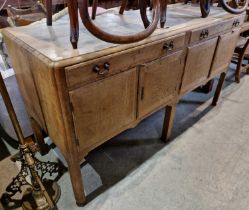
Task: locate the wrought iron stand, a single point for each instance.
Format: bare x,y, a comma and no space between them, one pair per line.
41,193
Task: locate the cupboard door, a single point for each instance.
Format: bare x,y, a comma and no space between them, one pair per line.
198,64
101,109
224,52
159,82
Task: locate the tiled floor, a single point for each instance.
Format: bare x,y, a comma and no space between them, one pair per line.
122,160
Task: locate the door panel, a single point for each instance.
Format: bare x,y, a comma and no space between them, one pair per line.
104,107
224,52
198,64
159,82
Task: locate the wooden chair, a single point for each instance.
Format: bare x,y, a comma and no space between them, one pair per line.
241,55
21,17
159,12
142,5
135,5
82,6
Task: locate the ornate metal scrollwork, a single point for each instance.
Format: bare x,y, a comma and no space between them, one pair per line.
46,167
16,185
20,180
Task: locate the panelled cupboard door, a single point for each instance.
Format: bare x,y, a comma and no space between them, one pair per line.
224,52
198,64
159,82
102,108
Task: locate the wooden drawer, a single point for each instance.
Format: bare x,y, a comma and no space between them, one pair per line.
224,52
83,73
213,30
198,64
101,109
159,82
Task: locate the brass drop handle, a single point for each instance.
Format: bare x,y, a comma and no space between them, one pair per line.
204,34
96,69
106,67
102,71
168,46
236,23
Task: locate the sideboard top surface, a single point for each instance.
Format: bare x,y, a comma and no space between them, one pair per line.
52,42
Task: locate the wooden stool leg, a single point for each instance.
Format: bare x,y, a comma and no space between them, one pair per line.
94,9
143,9
123,6
218,88
74,22
238,69
39,137
49,12
163,10
168,122
77,182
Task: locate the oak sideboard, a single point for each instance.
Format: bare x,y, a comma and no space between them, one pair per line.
82,98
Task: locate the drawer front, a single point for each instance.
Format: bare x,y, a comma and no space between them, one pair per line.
224,52
212,30
109,65
159,82
198,64
104,107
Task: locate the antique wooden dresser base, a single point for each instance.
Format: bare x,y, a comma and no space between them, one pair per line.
81,98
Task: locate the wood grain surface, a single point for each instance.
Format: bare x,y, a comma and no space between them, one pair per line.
82,98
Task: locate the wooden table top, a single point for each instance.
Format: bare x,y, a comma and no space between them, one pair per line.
53,42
